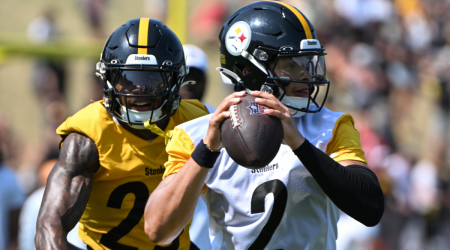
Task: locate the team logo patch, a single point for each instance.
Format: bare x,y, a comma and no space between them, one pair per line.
256,109
238,38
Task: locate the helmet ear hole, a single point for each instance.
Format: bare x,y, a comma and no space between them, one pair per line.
242,69
239,67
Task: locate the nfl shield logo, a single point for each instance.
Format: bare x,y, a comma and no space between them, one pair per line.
256,109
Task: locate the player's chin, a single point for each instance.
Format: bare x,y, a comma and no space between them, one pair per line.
301,93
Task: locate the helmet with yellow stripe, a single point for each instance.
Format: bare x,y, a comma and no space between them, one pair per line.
142,66
269,45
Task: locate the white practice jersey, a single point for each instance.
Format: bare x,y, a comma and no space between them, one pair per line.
279,206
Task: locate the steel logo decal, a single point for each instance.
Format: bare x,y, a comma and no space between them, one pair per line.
238,38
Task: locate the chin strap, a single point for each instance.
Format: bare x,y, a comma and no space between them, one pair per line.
156,130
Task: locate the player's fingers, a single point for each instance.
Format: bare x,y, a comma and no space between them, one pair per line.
269,103
264,97
222,116
235,95
257,93
222,111
276,113
224,106
230,100
216,120
275,104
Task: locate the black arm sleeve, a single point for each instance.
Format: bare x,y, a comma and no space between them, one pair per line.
354,189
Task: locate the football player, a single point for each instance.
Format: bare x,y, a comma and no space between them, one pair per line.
113,151
293,203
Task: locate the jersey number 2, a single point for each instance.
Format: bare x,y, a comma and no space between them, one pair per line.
115,200
279,191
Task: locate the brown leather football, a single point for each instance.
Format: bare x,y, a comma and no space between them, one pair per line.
252,139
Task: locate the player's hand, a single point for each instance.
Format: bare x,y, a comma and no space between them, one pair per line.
291,135
212,138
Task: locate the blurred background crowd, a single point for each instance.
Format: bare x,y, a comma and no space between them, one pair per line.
388,62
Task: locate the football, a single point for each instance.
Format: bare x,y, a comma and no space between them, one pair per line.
251,138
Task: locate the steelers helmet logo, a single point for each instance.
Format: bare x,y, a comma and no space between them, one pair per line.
238,38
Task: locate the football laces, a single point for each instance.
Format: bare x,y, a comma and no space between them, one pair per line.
234,116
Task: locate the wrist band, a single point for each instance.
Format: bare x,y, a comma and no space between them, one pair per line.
204,156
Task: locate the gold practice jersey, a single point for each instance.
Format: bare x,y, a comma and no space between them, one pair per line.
130,169
279,206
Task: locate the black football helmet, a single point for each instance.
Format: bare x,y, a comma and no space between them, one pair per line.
142,66
268,45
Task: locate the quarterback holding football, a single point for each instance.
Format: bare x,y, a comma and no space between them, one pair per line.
269,50
113,151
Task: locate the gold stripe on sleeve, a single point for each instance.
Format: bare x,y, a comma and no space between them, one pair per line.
345,144
143,34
